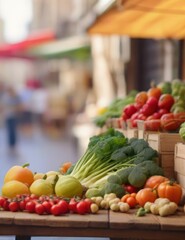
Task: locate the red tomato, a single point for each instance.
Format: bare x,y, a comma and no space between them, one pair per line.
82,207
2,200
64,206
129,188
22,205
162,111
47,205
166,101
6,205
30,206
129,110
39,209
169,123
56,210
124,116
141,116
138,106
72,205
131,201
88,203
14,206
150,107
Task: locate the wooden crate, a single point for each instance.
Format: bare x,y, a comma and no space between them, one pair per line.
166,161
179,167
179,161
163,142
132,133
141,129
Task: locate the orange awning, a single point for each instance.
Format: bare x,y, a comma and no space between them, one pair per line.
143,19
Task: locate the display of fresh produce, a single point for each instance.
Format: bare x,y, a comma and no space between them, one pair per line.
114,110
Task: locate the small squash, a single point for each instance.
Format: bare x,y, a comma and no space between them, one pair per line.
171,190
154,181
146,195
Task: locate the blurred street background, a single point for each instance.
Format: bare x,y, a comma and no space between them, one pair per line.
62,62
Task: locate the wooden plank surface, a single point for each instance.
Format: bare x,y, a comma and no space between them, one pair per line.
103,224
173,223
99,220
131,221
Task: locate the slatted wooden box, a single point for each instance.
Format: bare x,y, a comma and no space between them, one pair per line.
179,163
164,143
131,132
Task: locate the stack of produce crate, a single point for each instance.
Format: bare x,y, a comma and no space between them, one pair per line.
179,164
164,143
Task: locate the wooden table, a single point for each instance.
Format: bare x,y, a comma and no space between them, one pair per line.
104,224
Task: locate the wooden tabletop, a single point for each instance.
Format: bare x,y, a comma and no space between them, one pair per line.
103,224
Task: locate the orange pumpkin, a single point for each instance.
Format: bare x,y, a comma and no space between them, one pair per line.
146,195
154,181
154,92
170,190
21,174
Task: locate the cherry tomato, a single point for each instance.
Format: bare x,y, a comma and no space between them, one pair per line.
82,207
14,206
30,206
129,188
47,205
56,210
88,203
72,205
22,205
2,200
39,209
124,198
131,201
6,205
63,206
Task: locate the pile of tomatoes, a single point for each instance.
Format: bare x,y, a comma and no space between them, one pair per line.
153,107
46,205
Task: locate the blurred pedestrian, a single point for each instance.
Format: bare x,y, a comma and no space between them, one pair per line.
26,118
11,108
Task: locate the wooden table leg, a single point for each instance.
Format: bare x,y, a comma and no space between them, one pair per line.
23,238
